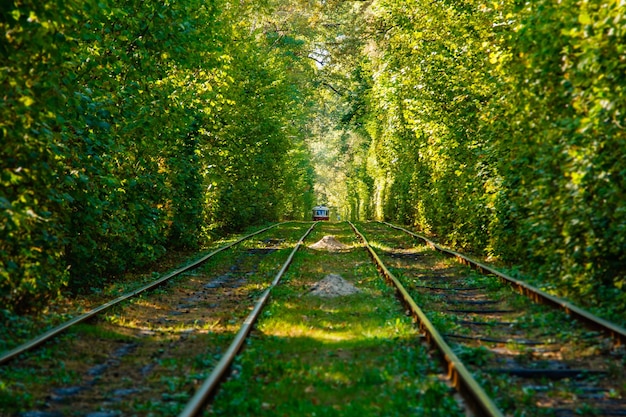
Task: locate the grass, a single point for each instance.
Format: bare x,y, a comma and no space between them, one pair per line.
180,351
535,322
356,355
18,383
16,329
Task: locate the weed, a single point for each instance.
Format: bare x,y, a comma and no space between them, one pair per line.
351,355
479,356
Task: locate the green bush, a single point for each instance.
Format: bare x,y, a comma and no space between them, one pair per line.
127,125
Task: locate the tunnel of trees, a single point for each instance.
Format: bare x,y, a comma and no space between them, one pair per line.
130,128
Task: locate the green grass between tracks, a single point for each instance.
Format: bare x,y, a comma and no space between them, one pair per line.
355,355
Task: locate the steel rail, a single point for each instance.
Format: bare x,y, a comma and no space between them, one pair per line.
460,376
618,333
11,354
195,405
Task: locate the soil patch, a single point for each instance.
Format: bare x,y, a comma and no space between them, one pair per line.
329,243
333,285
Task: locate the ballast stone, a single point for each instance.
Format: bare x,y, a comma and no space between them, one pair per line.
333,285
329,243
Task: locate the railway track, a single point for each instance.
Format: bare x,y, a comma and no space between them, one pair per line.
531,358
345,349
57,330
311,352
142,350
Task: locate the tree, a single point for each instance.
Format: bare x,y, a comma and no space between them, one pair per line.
127,125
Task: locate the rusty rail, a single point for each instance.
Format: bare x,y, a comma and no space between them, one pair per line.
11,354
459,375
618,333
195,405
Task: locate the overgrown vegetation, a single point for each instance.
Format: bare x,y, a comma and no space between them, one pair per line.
148,354
346,356
496,126
491,326
128,127
131,127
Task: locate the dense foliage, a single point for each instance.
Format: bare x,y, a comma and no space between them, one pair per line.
499,127
135,126
129,126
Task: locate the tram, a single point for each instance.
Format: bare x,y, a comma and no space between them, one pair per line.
321,213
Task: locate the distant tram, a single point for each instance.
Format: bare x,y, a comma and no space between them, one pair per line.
321,213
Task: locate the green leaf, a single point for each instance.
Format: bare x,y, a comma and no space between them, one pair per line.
584,18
